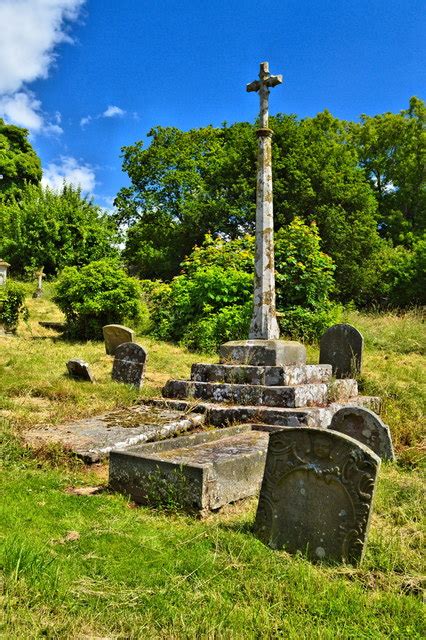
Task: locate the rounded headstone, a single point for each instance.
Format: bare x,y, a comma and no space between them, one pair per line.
366,427
129,364
116,334
342,347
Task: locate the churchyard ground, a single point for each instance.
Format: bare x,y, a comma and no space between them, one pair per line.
95,566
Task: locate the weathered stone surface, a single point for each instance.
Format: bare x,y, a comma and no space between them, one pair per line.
202,471
93,438
269,376
366,427
271,353
343,389
317,494
56,326
116,334
80,370
302,395
342,347
129,364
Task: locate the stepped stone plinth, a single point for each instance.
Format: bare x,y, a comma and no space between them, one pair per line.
274,353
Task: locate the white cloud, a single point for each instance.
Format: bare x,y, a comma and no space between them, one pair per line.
112,111
70,171
30,31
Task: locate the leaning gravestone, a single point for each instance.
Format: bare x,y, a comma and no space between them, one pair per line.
114,335
317,494
342,346
129,364
80,370
366,427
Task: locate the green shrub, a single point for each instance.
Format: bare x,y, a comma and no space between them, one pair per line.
12,305
97,294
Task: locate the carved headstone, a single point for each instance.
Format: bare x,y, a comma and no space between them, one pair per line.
80,370
129,364
317,494
366,427
342,346
116,334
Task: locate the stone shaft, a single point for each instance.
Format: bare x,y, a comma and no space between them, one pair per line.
264,325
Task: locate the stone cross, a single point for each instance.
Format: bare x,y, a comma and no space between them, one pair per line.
40,275
264,325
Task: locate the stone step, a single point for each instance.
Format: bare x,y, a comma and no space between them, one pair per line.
267,376
243,394
220,415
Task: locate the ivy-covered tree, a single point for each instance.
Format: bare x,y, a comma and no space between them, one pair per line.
19,163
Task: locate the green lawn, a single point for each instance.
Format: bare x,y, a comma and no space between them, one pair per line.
93,566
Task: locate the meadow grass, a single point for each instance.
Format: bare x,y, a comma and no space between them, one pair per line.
94,566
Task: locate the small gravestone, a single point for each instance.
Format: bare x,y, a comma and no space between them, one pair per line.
342,346
129,364
116,334
317,494
80,370
366,427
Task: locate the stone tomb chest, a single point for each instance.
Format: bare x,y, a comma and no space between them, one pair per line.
201,472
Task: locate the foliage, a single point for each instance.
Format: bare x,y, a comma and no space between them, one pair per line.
392,152
99,293
54,230
12,304
19,163
211,301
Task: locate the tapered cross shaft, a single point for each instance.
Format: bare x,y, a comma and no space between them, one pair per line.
264,323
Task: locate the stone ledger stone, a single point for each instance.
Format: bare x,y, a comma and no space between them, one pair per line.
342,347
80,370
366,427
116,334
317,494
273,353
129,364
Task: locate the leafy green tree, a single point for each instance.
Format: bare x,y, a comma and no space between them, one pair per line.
50,229
99,293
392,152
19,163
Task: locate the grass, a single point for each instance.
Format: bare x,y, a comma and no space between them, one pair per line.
93,566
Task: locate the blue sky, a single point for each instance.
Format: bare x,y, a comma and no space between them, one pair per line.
89,76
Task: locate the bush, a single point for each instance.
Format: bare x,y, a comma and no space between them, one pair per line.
99,293
12,305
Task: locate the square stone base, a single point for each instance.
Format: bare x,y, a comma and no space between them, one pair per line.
273,353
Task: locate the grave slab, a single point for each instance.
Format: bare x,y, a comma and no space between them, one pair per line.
201,472
317,494
116,334
366,427
93,438
80,370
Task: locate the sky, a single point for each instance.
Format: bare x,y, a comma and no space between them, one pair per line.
87,77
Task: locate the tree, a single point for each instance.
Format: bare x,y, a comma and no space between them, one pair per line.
392,152
50,229
19,163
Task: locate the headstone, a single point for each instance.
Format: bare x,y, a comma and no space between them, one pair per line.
116,334
3,271
80,370
317,494
39,291
366,427
129,364
342,346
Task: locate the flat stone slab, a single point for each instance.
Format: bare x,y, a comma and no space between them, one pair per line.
317,494
262,352
366,427
93,438
269,376
56,326
201,472
244,394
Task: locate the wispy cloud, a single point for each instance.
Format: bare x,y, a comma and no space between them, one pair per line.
30,31
70,171
112,111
